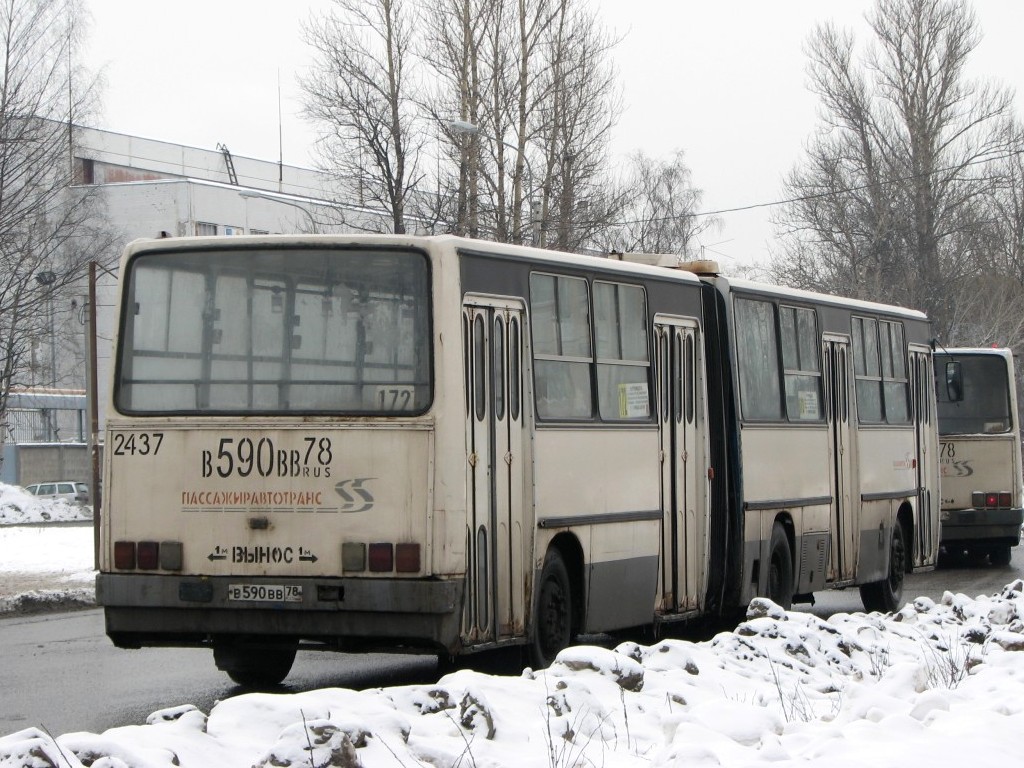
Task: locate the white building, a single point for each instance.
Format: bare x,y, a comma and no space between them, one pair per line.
153,189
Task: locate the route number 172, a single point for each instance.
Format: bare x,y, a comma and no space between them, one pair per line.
395,398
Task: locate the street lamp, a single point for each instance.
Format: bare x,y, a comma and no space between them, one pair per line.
251,194
462,126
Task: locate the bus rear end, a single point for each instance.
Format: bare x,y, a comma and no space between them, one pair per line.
980,454
269,450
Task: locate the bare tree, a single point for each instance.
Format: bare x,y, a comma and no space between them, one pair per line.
579,107
49,231
360,94
888,203
660,213
534,80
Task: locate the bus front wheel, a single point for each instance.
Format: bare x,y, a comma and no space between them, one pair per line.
552,613
886,596
255,665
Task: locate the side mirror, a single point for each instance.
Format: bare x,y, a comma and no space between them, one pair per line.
954,381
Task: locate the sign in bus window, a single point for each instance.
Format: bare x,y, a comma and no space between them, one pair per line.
799,334
623,367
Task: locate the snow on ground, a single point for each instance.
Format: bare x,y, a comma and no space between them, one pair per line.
43,568
934,684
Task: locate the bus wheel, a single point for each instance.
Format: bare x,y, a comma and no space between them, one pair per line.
552,613
1000,555
886,596
255,665
780,569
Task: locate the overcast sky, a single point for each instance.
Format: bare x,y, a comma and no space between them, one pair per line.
724,81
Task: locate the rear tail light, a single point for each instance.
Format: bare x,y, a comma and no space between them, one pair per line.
991,499
353,556
170,555
407,558
124,555
148,555
382,558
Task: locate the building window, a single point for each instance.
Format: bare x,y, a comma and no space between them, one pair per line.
86,171
205,228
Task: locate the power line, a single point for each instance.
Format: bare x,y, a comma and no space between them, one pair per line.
818,195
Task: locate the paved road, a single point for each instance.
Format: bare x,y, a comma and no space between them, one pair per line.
971,580
59,671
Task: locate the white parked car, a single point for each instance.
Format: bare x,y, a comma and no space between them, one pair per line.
73,492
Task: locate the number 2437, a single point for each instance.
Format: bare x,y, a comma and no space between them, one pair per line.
137,443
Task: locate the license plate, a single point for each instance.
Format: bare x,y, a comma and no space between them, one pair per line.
265,593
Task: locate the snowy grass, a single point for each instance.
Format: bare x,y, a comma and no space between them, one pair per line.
937,683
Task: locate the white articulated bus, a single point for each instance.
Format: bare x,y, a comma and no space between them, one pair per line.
447,445
980,453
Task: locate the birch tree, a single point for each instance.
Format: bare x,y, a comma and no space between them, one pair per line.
49,231
660,209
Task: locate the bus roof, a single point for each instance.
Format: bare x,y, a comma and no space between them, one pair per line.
426,242
783,291
993,351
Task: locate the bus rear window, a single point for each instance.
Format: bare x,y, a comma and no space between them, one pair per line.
276,330
983,404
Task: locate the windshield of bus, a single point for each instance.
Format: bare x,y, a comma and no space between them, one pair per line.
984,403
275,330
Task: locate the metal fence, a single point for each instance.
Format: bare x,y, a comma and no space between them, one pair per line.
45,416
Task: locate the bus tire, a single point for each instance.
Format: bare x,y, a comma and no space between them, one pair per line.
886,596
780,568
552,613
1000,555
255,665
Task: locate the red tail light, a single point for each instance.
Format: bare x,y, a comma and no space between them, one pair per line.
991,499
124,555
407,558
382,558
149,555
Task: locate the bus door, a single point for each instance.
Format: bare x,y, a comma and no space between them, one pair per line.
838,415
680,410
496,461
922,388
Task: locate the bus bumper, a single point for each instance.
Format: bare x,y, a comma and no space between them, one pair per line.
975,526
181,611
